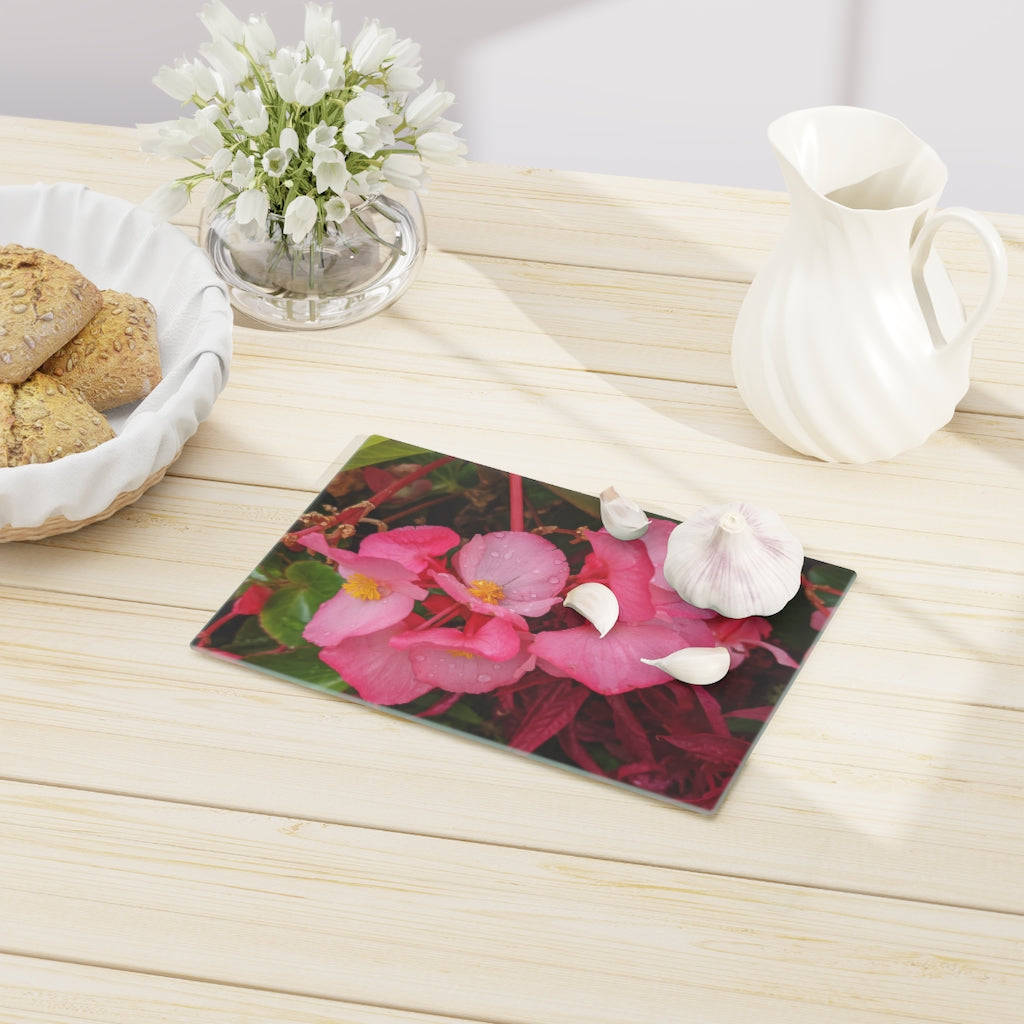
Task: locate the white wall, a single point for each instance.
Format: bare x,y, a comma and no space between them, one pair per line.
679,89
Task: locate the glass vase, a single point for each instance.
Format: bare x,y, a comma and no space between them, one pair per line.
352,271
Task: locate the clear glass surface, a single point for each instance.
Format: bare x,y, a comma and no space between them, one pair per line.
359,268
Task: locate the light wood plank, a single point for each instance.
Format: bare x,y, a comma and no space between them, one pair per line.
867,866
467,310
869,797
489,932
641,420
568,217
36,991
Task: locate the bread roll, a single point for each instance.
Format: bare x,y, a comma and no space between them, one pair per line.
115,358
42,420
44,302
6,422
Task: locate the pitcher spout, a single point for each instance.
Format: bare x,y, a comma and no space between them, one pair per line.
857,159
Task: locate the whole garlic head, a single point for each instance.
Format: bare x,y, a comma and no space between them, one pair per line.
736,559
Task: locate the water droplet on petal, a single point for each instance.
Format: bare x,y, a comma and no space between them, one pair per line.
483,678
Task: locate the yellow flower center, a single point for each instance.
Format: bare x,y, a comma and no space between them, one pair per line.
362,588
459,654
487,591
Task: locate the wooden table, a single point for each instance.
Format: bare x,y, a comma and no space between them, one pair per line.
184,840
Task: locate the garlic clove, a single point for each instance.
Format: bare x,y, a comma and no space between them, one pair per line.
596,603
736,559
622,517
698,666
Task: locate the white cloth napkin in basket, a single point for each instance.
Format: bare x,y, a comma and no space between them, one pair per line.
117,245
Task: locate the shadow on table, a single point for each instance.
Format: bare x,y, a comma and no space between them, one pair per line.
999,434
659,334
893,806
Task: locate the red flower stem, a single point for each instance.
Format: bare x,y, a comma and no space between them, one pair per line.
415,510
811,591
441,617
204,637
351,515
517,522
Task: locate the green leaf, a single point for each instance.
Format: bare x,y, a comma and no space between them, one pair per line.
320,578
584,502
375,450
304,665
287,613
744,728
454,478
249,638
824,574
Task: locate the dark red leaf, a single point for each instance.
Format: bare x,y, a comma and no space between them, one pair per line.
647,775
713,711
628,729
570,742
548,715
758,714
711,747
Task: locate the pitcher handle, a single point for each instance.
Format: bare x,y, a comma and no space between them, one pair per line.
995,250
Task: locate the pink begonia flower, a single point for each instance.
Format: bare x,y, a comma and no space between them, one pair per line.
497,654
508,575
820,617
414,547
377,593
377,671
626,569
655,541
667,601
611,664
493,638
633,571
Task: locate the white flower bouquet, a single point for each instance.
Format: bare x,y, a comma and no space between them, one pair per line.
305,132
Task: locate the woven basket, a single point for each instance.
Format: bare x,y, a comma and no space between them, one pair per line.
59,524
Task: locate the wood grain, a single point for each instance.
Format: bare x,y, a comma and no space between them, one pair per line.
508,934
165,720
56,992
185,839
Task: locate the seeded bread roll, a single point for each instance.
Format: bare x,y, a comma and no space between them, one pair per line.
115,358
42,420
44,302
6,422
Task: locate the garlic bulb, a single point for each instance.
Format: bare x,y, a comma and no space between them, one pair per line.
736,559
698,666
622,517
596,603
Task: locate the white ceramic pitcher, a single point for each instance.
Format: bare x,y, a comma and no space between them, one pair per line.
851,344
